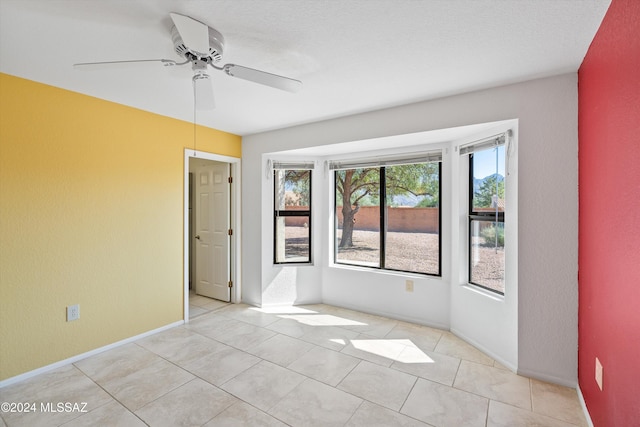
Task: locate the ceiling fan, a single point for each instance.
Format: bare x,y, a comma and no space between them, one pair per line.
203,46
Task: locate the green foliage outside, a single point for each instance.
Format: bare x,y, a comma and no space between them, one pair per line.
298,182
489,235
362,186
428,202
490,186
418,180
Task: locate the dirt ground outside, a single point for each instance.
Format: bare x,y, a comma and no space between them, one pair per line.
414,252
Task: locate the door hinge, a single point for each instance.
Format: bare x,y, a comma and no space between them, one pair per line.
230,232
230,284
230,180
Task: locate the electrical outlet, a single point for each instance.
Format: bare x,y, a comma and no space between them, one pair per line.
73,312
599,372
409,285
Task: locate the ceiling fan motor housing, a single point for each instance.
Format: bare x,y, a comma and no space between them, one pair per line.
216,47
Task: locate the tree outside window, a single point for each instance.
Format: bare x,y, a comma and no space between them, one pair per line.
388,217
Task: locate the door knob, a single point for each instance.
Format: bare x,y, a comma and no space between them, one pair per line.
198,236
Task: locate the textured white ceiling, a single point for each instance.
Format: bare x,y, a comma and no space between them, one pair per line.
352,55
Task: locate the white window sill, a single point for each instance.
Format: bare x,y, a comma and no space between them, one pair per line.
394,273
483,292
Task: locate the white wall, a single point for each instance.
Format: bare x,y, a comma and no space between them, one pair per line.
488,321
284,284
544,341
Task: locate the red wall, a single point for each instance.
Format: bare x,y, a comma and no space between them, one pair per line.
609,223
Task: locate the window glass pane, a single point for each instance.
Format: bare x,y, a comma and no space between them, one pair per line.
292,239
488,180
293,189
358,216
292,200
487,254
412,218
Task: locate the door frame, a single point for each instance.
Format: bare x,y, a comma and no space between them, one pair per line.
235,220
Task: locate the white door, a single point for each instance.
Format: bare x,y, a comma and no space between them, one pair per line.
212,230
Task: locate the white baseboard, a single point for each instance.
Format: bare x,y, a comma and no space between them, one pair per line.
383,313
73,359
548,378
486,351
584,406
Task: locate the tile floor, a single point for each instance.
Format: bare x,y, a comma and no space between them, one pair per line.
316,365
199,305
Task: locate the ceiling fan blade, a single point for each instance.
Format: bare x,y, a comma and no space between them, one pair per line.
195,34
203,92
262,77
92,65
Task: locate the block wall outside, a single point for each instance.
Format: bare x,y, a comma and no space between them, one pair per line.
407,220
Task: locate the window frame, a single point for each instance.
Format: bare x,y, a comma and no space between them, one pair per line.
383,221
473,215
283,213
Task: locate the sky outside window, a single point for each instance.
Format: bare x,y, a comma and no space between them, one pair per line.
484,162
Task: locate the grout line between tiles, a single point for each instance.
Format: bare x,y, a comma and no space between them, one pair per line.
456,375
110,395
486,415
349,373
531,395
408,394
354,412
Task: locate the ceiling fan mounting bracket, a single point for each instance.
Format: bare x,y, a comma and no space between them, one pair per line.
199,66
214,54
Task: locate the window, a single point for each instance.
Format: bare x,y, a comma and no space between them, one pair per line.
356,190
486,215
292,215
388,214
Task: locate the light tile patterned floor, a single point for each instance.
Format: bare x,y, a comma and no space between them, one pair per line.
316,365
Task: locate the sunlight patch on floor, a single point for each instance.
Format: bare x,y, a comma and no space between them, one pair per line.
399,350
322,320
283,310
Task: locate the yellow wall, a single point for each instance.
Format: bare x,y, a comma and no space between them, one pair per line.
91,213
